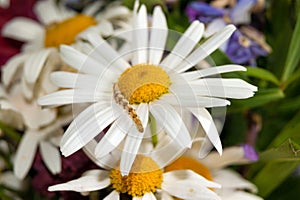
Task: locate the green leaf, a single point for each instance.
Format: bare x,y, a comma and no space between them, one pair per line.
219,58
10,132
290,104
262,97
272,175
291,130
285,191
293,53
262,74
288,151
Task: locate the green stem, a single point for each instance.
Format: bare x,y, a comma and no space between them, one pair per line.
153,130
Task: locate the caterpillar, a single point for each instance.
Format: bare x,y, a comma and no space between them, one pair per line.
121,100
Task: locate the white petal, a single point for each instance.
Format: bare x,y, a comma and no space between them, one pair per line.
231,156
186,184
86,126
206,48
209,127
214,26
49,12
114,136
92,8
29,29
172,123
104,50
133,141
70,96
4,3
34,65
73,80
146,196
221,87
25,153
115,11
188,100
166,196
158,36
114,195
105,28
51,157
184,46
238,195
230,179
80,61
87,183
190,175
166,151
9,180
140,37
10,69
189,76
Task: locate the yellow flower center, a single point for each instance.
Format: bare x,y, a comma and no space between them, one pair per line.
66,31
145,176
192,164
143,83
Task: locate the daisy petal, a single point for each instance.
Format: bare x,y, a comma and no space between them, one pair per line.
70,96
146,196
206,48
10,69
189,76
166,151
158,36
237,195
29,28
230,179
186,100
114,12
133,141
51,157
114,136
172,123
187,184
73,80
140,36
80,61
184,46
86,126
114,195
221,87
113,60
25,153
87,183
105,28
35,63
209,127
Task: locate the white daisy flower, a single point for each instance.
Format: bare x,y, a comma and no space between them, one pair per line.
147,86
145,180
42,128
58,26
213,168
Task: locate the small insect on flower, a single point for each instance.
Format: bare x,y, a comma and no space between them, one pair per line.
121,100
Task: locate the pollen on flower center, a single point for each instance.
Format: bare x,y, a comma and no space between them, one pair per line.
66,31
189,163
145,176
143,83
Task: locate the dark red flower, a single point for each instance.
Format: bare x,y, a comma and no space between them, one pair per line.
23,8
